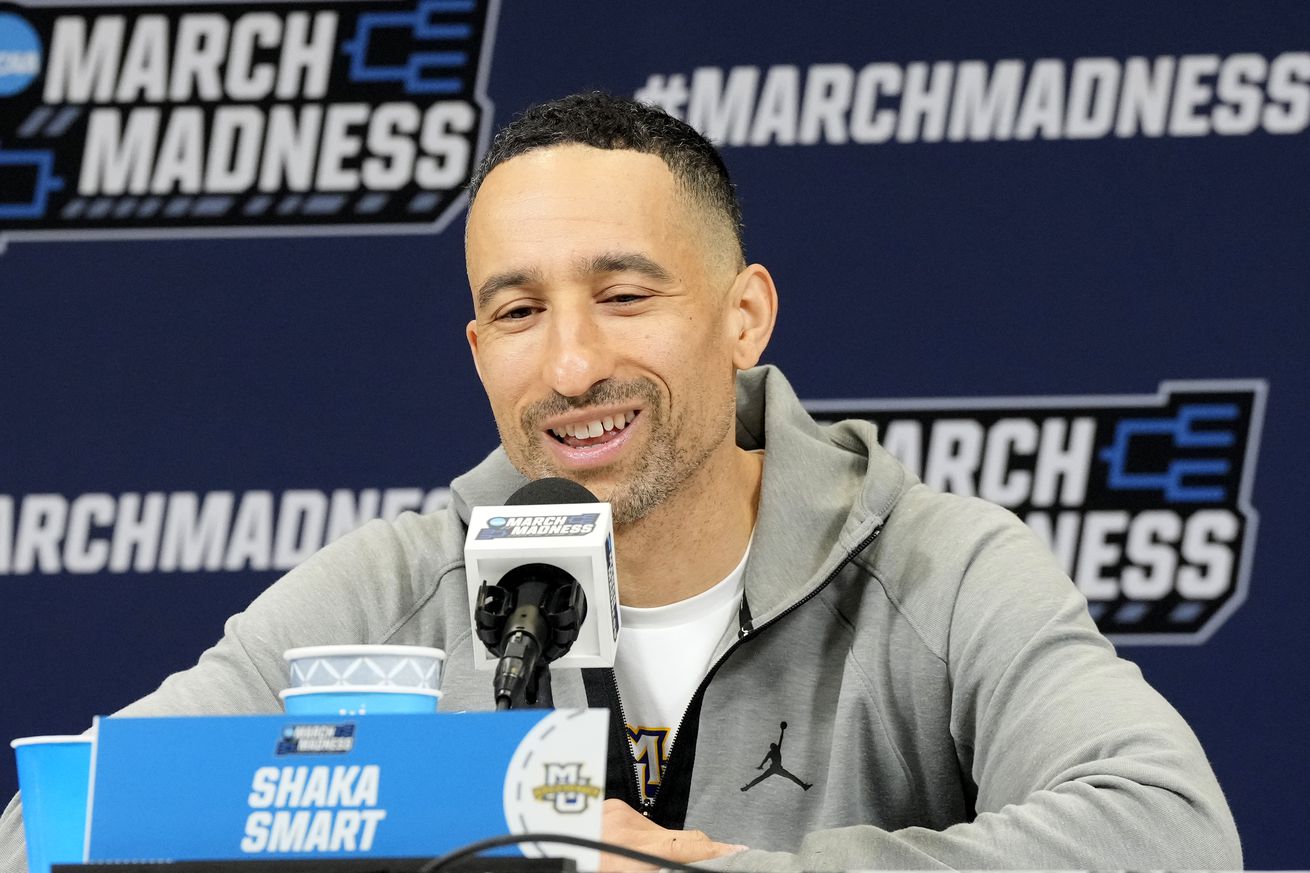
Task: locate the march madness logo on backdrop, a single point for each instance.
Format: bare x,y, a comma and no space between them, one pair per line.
1145,500
234,118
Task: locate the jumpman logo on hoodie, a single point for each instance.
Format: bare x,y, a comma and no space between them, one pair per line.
774,759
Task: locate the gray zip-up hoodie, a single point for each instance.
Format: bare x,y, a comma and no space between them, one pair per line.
946,695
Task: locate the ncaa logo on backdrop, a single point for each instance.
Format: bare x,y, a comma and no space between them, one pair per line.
1144,499
20,54
218,119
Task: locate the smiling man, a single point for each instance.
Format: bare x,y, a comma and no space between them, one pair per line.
949,699
824,664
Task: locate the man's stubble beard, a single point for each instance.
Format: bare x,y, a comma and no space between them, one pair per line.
668,460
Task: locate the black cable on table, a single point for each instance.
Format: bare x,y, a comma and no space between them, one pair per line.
514,839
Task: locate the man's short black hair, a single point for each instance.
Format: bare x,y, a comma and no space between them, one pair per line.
604,121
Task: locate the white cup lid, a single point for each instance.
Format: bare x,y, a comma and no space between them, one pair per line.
361,651
356,689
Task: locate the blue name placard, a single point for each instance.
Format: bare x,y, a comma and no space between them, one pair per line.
206,788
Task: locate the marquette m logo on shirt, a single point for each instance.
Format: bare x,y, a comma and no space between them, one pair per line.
221,118
511,526
1145,500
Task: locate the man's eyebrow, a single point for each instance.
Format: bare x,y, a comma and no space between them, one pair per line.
499,282
623,262
591,265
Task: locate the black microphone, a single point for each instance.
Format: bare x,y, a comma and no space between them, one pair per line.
534,613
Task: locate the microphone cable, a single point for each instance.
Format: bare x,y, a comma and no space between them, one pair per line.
481,846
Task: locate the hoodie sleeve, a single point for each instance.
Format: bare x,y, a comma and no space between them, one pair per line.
1077,761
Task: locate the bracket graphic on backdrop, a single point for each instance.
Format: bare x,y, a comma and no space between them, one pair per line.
1145,499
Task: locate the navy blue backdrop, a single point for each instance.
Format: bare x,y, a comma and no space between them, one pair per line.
1022,254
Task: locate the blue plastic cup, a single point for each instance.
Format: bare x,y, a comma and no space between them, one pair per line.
54,776
358,700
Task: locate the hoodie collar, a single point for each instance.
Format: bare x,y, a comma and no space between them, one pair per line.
826,488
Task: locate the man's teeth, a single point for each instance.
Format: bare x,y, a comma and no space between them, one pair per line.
590,429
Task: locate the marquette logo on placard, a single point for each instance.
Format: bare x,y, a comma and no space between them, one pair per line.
316,739
510,526
220,118
1145,500
566,788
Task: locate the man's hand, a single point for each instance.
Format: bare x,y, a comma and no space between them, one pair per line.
624,826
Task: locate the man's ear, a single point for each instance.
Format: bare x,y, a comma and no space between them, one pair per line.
471,334
754,302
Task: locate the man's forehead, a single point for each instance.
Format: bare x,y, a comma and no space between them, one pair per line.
550,206
576,167
573,199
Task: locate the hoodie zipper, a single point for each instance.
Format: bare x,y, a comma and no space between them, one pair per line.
635,799
746,633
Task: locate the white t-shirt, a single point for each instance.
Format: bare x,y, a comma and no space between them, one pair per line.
664,652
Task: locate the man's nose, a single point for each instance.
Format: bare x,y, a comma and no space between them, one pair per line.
577,356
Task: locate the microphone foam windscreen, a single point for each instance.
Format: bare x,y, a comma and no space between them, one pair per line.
551,490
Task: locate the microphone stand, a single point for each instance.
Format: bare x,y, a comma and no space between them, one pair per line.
522,679
529,619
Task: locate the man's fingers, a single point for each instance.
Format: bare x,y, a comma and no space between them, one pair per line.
686,847
625,826
682,845
730,849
